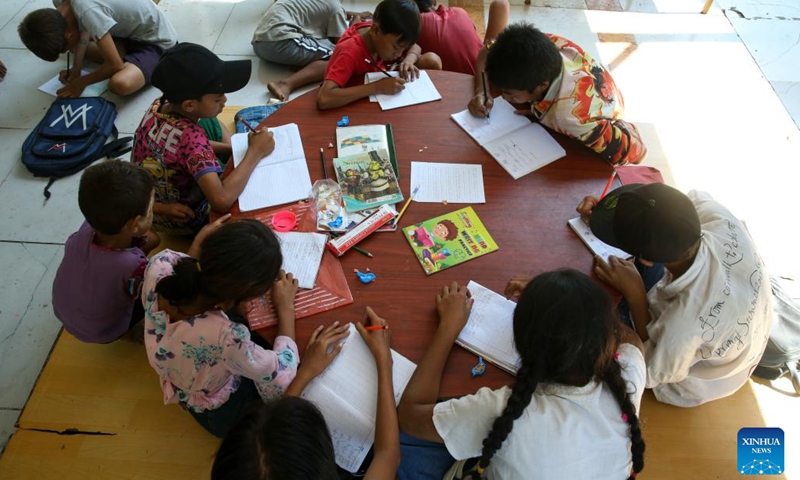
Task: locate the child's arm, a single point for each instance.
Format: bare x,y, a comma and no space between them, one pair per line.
74,72
622,275
323,346
283,293
415,411
331,95
197,243
387,433
174,211
112,63
408,67
222,193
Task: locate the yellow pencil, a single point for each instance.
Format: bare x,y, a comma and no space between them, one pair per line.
408,202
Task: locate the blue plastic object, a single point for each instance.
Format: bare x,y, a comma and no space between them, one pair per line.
368,277
479,369
343,122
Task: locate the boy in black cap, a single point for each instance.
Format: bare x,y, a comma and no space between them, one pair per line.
706,322
176,150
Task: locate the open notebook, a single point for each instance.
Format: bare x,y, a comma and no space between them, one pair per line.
597,246
347,395
518,145
421,90
489,331
280,177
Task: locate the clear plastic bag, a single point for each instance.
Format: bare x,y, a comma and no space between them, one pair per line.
327,197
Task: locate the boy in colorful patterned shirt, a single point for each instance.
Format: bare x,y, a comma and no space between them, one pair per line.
568,90
176,150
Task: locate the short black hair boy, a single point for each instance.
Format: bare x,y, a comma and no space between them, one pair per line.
114,192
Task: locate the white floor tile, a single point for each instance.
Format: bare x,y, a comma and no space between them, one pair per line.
197,21
28,327
11,140
21,104
27,218
8,421
774,44
9,38
8,9
238,32
778,9
569,23
789,93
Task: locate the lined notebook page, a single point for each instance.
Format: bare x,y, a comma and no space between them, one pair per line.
302,254
489,329
421,90
597,246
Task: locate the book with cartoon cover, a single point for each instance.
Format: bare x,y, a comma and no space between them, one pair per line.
449,239
367,180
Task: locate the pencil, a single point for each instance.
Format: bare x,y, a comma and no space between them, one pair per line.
357,249
485,94
608,184
67,63
376,327
408,202
322,159
252,130
377,66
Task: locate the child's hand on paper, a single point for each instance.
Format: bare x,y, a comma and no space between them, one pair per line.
514,287
283,291
390,86
408,70
478,108
377,340
263,141
73,89
323,346
620,274
453,304
586,206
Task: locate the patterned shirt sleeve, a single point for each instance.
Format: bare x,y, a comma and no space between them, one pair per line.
271,370
200,158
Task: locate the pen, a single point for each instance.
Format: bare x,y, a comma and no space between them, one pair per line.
376,327
485,94
377,66
357,249
67,63
252,130
408,202
322,159
608,184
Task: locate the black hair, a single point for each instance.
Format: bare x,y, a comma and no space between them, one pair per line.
42,32
522,58
398,17
424,5
286,439
112,193
238,261
564,332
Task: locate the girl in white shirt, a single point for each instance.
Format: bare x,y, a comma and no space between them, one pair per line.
572,412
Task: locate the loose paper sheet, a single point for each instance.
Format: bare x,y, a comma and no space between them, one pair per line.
451,182
302,254
94,90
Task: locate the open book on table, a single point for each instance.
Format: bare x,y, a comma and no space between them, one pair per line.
519,145
489,331
280,177
347,395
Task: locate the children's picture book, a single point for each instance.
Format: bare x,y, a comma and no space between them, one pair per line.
489,331
421,90
356,139
597,246
368,180
449,239
347,395
519,145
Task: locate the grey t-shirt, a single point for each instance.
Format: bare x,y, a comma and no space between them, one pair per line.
138,20
286,19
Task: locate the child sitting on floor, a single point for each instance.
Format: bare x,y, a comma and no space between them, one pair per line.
450,33
205,361
126,37
571,413
177,151
369,47
288,439
97,286
567,89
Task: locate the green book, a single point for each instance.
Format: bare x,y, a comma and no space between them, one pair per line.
367,180
449,239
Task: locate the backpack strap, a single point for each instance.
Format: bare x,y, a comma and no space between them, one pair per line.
116,147
47,188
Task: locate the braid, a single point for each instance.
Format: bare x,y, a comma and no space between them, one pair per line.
520,398
613,378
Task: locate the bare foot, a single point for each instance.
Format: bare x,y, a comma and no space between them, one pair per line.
279,90
2,71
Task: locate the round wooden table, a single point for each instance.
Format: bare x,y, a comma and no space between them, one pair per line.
526,217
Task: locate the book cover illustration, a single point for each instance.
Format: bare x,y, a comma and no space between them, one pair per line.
449,239
367,180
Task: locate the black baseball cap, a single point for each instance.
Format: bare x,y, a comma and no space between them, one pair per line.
650,221
189,71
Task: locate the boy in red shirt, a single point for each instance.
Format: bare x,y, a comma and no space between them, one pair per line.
366,47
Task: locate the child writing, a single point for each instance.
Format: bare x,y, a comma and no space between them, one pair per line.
126,37
97,286
450,33
204,361
571,413
288,439
176,150
567,89
369,47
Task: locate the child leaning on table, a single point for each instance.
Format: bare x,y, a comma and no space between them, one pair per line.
391,34
176,150
571,412
126,37
289,439
97,286
206,362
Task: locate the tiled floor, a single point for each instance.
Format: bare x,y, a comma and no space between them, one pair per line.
704,98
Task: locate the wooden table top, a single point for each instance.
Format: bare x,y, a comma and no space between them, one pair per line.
526,217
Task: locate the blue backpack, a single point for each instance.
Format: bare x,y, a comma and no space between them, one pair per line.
72,135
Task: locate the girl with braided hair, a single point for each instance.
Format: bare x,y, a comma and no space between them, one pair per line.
572,412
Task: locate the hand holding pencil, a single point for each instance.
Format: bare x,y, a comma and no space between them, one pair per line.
376,335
